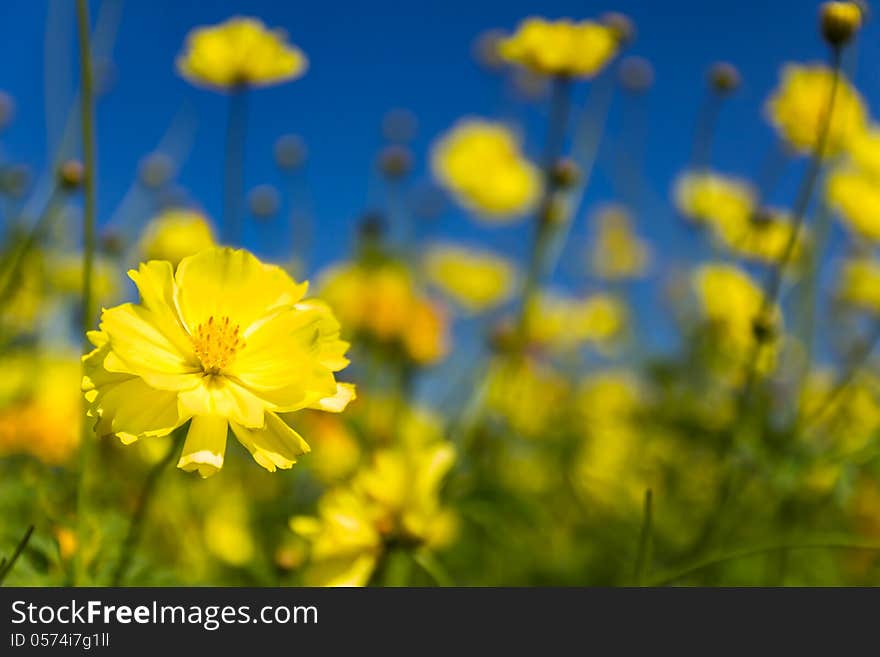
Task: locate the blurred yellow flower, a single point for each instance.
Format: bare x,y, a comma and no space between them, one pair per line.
714,199
382,301
854,195
617,252
40,407
764,237
477,280
859,284
226,342
864,150
799,105
849,421
175,234
64,276
396,498
731,304
335,450
561,322
481,164
240,52
227,532
562,47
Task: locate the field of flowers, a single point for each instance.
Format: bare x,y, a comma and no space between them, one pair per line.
176,410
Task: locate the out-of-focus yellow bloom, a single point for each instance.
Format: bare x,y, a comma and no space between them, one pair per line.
175,234
396,498
617,251
335,450
560,322
799,106
855,195
226,342
240,52
227,532
714,199
64,276
859,284
562,47
476,280
481,164
382,420
850,420
763,237
40,407
383,302
528,395
864,150
731,304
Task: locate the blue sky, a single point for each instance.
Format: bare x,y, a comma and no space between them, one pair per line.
367,58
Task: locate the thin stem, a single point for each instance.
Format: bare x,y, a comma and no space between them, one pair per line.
643,557
135,529
87,108
831,543
6,566
704,133
233,175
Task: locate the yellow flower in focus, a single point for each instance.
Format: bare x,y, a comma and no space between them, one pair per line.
562,323
476,280
855,195
763,237
40,407
617,251
175,234
731,304
798,108
225,342
240,52
396,498
859,284
563,47
482,165
714,199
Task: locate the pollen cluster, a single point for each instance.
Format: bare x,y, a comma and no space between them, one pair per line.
216,342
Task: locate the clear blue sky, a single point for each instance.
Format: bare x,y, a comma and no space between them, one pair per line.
369,57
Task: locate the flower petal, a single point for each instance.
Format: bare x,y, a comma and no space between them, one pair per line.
274,446
345,394
205,445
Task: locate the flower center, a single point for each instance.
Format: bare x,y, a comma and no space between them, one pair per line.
216,342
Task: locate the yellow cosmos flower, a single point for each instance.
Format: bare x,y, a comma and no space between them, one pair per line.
175,234
396,498
731,302
854,195
225,342
476,280
562,47
798,107
40,407
560,322
617,252
240,52
859,284
714,199
763,237
482,165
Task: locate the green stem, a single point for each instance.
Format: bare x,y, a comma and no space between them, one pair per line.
233,175
135,529
6,566
701,155
643,557
432,568
87,107
831,543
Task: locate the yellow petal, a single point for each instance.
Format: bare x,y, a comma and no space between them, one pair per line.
132,410
274,446
345,394
155,282
219,395
205,445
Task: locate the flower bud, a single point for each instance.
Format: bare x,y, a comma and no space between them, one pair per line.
839,21
70,175
621,25
263,201
636,74
724,78
290,152
565,173
395,162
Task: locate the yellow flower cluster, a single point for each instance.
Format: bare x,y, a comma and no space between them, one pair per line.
394,500
476,280
722,202
226,342
175,234
617,252
481,164
562,323
240,52
799,107
560,48
383,302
